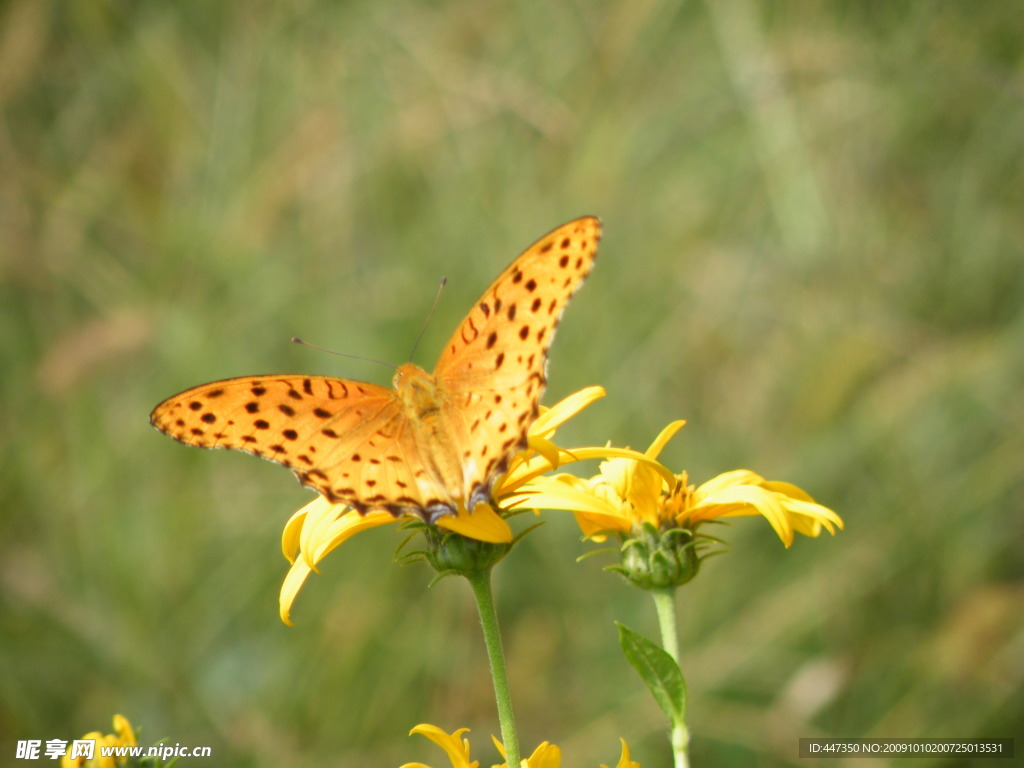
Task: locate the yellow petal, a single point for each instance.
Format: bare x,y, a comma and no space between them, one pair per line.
553,417
521,472
787,489
663,437
637,484
624,761
555,493
726,480
293,531
483,524
335,532
808,518
546,448
525,471
324,527
293,582
787,507
124,730
456,747
546,755
595,527
743,501
537,466
319,517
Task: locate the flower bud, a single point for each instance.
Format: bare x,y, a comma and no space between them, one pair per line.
654,559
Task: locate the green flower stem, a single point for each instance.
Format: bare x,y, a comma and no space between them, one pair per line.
665,605
480,581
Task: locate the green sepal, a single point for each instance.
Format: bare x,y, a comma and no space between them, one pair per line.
659,671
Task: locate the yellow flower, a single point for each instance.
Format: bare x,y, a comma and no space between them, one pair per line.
319,527
123,736
640,498
546,755
628,492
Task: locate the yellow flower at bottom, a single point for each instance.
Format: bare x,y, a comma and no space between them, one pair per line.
123,736
546,755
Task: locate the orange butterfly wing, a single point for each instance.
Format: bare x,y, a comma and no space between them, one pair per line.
494,368
376,448
322,428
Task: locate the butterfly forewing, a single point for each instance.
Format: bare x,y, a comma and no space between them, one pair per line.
494,368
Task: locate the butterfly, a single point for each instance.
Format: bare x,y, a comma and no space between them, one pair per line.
435,443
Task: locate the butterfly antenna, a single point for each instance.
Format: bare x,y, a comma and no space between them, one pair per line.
444,281
297,340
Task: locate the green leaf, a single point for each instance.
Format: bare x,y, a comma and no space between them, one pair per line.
659,671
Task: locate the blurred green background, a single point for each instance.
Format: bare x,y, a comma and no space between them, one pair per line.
813,251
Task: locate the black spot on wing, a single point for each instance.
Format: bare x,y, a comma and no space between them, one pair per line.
469,330
336,390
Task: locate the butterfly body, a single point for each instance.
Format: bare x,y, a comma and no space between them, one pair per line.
436,442
424,405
